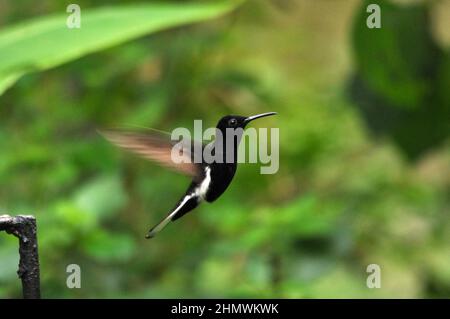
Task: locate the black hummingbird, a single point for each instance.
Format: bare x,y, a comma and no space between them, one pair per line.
209,180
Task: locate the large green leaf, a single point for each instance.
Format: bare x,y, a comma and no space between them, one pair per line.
46,42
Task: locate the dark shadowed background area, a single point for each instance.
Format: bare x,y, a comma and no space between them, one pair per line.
364,118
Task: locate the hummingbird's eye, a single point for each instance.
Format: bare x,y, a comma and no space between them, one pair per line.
232,122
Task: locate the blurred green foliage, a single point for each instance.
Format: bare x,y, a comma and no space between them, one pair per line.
398,86
344,197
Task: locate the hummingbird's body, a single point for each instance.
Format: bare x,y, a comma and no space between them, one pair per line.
209,180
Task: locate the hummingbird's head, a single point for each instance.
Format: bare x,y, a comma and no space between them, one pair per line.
236,121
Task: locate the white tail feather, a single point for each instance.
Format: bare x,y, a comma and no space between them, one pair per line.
160,226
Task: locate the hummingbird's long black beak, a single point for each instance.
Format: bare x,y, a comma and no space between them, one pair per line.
254,117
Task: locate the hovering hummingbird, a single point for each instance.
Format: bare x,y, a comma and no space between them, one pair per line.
209,180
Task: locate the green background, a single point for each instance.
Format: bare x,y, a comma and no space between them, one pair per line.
364,117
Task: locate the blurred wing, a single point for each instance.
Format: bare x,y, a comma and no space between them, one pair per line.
157,147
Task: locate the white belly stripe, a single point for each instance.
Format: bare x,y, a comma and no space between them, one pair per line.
202,189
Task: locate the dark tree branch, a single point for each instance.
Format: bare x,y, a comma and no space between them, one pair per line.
24,228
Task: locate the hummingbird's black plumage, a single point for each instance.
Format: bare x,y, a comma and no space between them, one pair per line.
209,180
